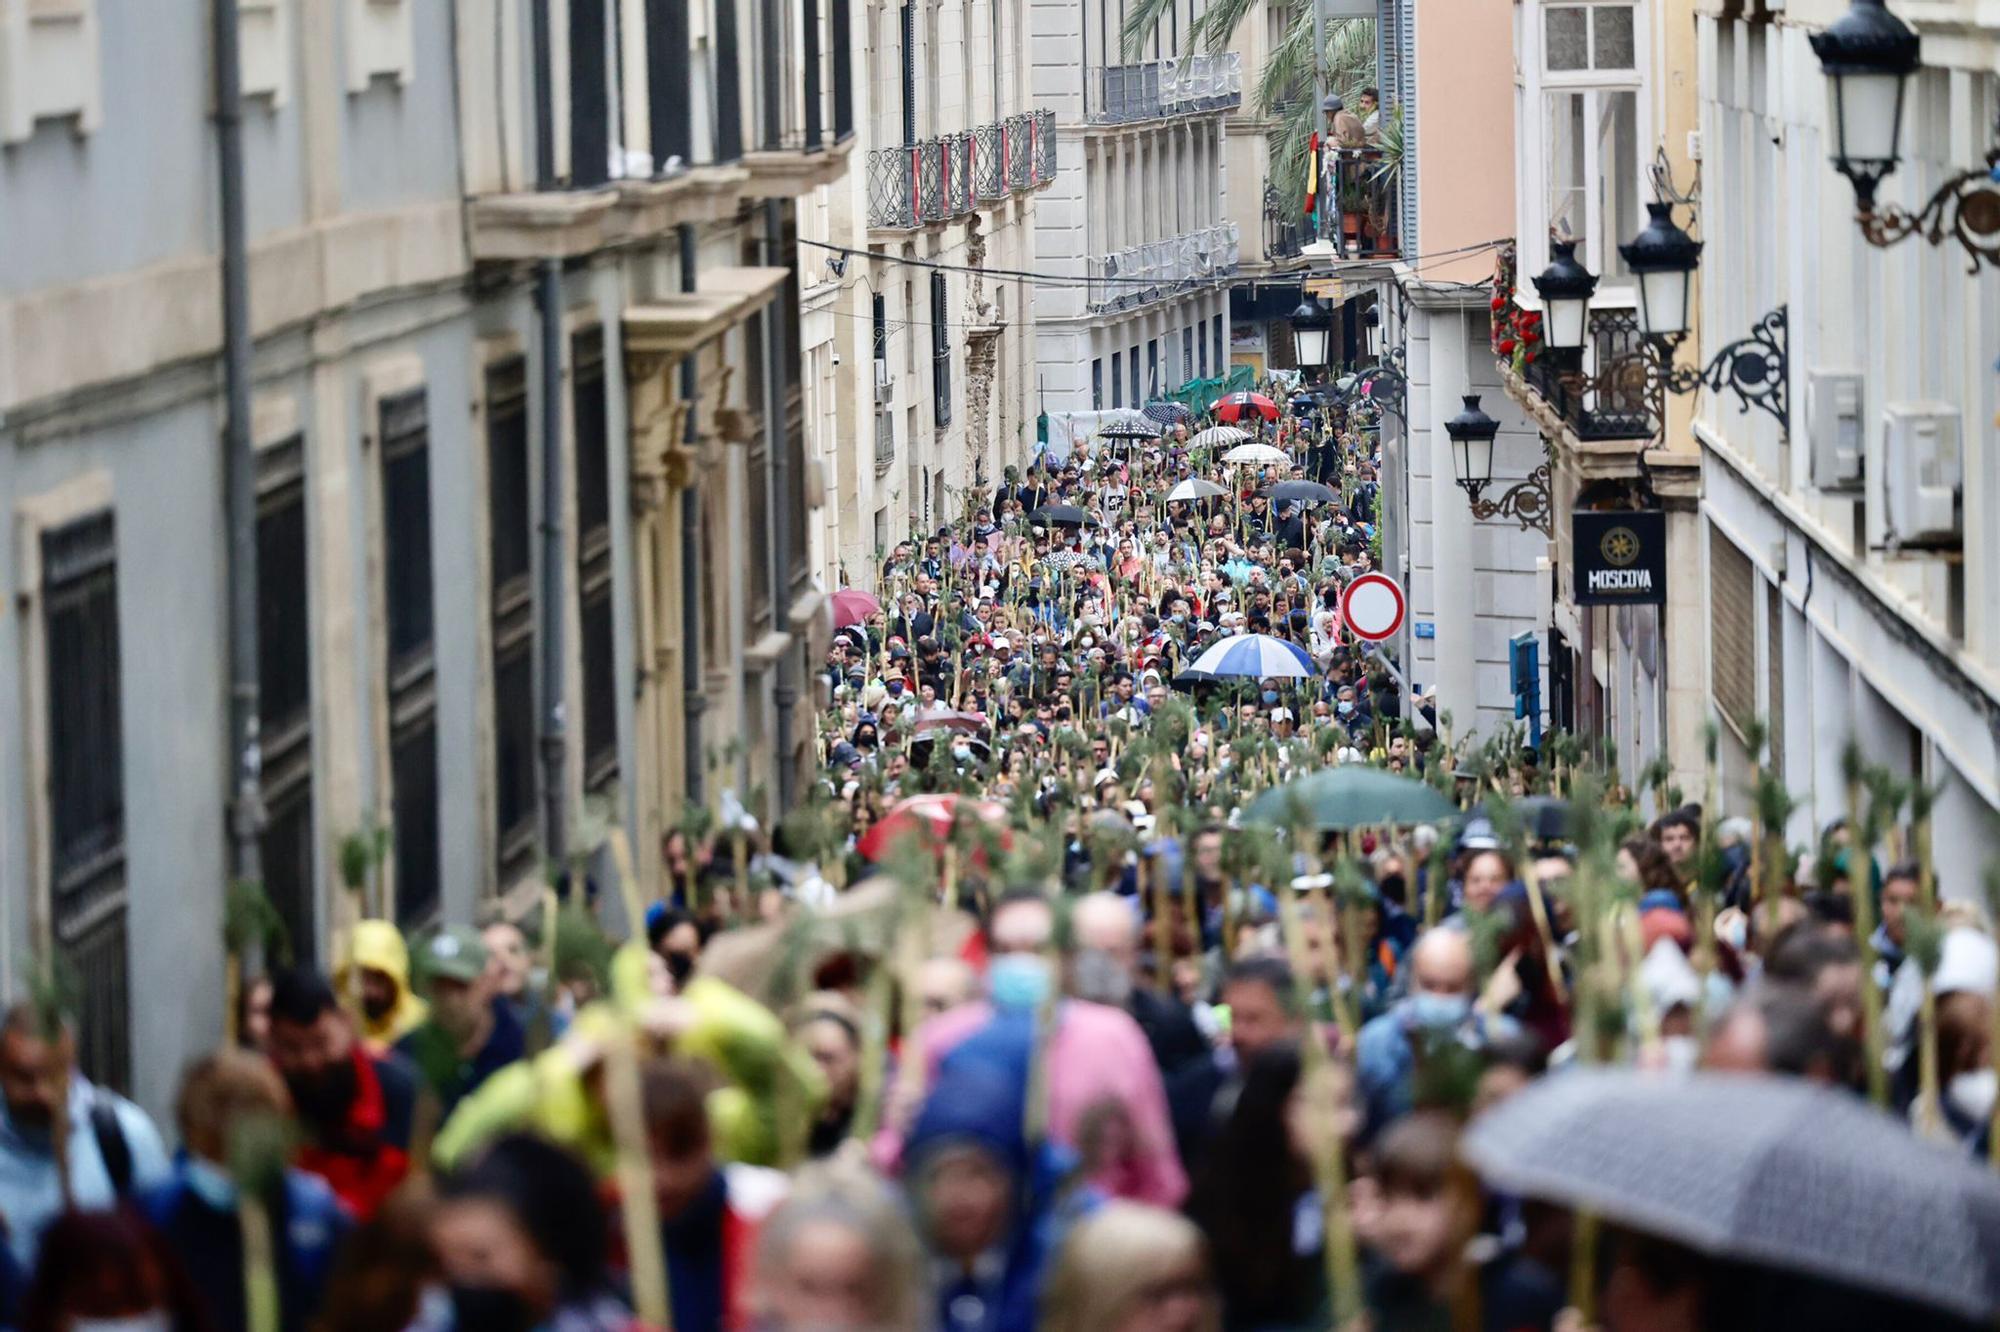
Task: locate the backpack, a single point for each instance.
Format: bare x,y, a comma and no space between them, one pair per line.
111,1145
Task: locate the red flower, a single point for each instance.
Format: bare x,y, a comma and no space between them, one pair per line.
1499,302
1527,358
1507,346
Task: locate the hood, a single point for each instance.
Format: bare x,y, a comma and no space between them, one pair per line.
378,946
980,1096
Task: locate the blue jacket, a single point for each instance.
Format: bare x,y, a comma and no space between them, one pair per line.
309,1226
1385,1059
30,1192
978,1100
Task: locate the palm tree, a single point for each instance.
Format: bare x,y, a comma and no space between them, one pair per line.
1284,87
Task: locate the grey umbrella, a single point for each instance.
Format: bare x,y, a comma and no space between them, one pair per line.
1775,1172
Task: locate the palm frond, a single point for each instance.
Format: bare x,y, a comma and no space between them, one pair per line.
1216,25
1140,23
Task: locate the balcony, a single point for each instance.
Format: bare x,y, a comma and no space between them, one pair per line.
761,107
1158,269
1614,403
943,179
1285,228
1176,86
1362,223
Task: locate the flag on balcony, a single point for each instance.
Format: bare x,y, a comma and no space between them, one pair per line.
1312,174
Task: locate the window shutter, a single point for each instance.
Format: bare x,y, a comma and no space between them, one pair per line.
1732,633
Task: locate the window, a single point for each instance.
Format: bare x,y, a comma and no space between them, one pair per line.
407,606
1203,357
1117,380
1774,678
1593,174
1187,355
1134,364
378,42
1733,645
940,349
1097,384
589,94
593,559
1221,355
86,783
510,578
284,692
49,67
1588,37
1152,367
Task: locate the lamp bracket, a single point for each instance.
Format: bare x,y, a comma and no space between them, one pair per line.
1965,208
1755,368
1527,502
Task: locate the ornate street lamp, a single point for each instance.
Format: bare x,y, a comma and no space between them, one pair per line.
1565,287
1663,258
1868,55
1372,323
1472,432
1312,329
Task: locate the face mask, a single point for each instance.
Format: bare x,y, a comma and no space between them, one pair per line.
211,1183
155,1321
1439,1012
961,753
1099,978
490,1307
1393,887
895,688
1018,981
680,966
1972,1094
1270,696
1344,707
1683,1053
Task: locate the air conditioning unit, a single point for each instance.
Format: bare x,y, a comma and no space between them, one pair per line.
1923,475
885,385
1833,424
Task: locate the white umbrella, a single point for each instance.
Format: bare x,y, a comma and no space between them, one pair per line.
1255,453
1256,657
1216,436
1194,488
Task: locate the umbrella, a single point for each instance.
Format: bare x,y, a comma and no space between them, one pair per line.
1777,1172
1062,515
1236,406
1168,413
1353,796
934,813
1190,678
1218,436
1134,428
1065,560
1543,818
853,606
1303,492
1255,453
947,719
1194,488
1257,656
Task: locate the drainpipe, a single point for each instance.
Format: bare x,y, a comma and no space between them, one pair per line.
693,701
783,694
246,814
548,308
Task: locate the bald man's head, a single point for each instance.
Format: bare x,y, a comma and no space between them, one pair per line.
1106,922
1441,963
943,983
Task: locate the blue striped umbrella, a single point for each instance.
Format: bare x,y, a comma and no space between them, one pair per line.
1256,657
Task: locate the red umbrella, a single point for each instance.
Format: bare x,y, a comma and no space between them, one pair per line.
947,719
853,606
930,815
1236,405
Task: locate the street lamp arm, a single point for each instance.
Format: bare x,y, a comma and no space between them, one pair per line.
1965,208
1754,368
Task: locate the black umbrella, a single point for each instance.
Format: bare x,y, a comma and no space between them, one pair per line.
1169,413
1130,430
1062,515
1543,818
1778,1172
1303,492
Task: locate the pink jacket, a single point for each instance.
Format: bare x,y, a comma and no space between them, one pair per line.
1098,1055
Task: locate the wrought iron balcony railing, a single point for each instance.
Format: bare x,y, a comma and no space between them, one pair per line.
930,180
892,187
988,149
1176,86
1020,150
1160,268
948,177
1043,164
958,166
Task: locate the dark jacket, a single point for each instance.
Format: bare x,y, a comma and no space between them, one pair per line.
365,1156
449,1075
308,1226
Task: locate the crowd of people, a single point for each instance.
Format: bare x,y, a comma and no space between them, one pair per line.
1034,1014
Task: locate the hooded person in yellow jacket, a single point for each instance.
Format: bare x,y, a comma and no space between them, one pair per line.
375,976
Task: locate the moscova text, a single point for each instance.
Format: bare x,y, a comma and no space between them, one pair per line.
1621,580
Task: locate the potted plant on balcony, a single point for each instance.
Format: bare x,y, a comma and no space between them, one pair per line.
1385,175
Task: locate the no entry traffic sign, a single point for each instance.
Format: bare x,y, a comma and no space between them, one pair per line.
1372,607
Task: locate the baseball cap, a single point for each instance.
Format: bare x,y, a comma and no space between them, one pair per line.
455,952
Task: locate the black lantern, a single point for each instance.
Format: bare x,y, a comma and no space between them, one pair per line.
1312,329
1472,433
1868,56
1663,258
1565,287
1372,323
